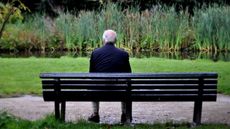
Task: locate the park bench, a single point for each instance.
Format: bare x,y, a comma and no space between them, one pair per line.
129,87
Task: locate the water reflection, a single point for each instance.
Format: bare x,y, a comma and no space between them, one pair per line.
185,55
146,54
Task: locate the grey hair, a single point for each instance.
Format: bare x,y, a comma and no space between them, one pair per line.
109,36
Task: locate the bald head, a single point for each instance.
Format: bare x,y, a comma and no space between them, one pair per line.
109,36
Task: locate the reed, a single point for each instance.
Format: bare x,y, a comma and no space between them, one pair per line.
65,28
212,28
112,17
171,28
132,29
38,26
160,28
86,30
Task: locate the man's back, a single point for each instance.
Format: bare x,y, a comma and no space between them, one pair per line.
109,59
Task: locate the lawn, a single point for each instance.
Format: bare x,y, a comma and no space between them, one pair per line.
20,76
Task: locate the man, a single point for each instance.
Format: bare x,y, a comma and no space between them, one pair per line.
109,59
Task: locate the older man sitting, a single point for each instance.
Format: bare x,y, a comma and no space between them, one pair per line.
109,59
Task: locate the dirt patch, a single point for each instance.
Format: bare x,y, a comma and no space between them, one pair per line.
33,108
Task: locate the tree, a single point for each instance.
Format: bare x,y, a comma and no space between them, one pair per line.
9,9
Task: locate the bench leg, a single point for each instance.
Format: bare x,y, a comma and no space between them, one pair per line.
128,112
57,110
63,106
197,112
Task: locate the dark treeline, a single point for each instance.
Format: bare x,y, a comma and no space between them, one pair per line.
51,6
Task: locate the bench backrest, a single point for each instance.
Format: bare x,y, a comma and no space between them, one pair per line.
129,86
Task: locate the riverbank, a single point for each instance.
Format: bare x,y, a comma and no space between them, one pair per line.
20,76
219,56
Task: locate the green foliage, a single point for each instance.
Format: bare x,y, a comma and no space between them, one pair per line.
10,13
160,28
170,28
64,27
87,31
5,9
212,27
10,122
111,17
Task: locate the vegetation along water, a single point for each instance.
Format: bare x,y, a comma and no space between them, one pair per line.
160,28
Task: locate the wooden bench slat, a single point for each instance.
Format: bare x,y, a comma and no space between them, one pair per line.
172,87
133,87
128,75
72,96
112,92
163,81
173,92
52,86
124,87
172,98
86,96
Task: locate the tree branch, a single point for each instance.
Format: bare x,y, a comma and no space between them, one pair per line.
12,10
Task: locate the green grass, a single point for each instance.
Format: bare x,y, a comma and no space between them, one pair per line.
166,65
10,122
21,75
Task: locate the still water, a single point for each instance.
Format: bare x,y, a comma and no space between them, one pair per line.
145,54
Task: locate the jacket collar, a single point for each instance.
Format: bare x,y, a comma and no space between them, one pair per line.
109,44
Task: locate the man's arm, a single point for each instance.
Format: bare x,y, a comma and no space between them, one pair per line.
128,67
91,64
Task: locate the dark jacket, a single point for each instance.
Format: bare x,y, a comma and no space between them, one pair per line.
109,59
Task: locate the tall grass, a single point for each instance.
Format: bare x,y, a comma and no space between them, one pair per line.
132,30
160,28
87,31
66,28
170,28
111,17
212,28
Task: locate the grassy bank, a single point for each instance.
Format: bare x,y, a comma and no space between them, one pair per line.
21,75
161,28
10,122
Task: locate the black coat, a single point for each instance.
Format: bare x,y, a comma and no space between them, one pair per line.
109,59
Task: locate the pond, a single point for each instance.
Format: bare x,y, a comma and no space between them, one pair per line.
219,56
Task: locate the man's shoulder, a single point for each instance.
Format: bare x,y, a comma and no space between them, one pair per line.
122,51
96,50
113,50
